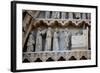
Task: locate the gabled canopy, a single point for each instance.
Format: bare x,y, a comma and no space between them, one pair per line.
56,24
41,23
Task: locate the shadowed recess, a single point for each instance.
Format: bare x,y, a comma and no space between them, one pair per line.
83,58
26,61
49,59
61,59
38,60
72,58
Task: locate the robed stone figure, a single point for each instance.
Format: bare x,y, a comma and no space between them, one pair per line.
31,43
38,46
56,15
55,41
61,40
48,40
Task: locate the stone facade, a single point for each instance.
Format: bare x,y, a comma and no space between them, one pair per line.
59,36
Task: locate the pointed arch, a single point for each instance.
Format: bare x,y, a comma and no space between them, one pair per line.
83,24
55,24
41,23
69,24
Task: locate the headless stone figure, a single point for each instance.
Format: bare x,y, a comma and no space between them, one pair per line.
30,43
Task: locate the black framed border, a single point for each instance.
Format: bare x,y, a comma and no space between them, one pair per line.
14,29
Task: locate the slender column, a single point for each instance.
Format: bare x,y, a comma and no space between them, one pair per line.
87,37
66,39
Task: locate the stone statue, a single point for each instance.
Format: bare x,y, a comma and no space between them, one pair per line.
47,14
55,40
38,41
77,15
30,43
61,40
63,15
56,15
48,40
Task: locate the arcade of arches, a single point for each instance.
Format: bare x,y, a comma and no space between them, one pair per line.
55,36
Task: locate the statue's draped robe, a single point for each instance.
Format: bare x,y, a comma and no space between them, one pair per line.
55,42
47,14
61,40
56,14
48,40
30,43
38,41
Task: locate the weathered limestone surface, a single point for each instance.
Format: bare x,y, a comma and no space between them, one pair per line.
60,43
56,55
